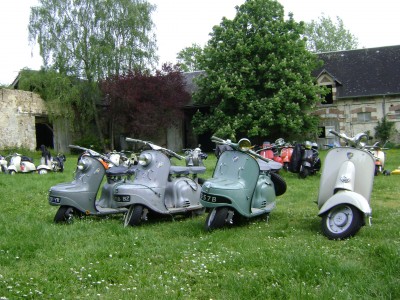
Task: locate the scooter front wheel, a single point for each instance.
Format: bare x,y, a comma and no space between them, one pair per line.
42,171
216,218
134,215
65,214
304,172
341,222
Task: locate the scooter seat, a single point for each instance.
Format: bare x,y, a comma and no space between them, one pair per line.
269,166
179,170
120,171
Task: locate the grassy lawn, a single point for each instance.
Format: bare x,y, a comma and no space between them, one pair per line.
284,257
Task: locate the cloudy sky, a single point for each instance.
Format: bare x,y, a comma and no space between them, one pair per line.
179,23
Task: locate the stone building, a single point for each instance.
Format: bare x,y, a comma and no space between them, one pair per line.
364,87
24,123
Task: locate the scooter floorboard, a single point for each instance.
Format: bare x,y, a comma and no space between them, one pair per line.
109,211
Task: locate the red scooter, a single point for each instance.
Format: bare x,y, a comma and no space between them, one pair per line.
286,150
270,151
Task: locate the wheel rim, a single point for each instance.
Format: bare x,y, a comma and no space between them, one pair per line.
211,217
339,219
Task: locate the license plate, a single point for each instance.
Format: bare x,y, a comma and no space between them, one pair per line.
55,200
122,198
214,199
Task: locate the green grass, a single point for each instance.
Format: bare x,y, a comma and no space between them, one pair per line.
285,257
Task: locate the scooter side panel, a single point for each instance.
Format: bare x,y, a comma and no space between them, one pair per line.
181,193
264,196
364,175
151,197
348,197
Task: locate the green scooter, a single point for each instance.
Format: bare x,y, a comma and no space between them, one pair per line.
243,184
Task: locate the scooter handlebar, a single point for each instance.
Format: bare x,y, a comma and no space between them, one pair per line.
218,140
156,147
91,152
353,141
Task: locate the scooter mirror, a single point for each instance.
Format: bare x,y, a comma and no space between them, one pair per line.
244,145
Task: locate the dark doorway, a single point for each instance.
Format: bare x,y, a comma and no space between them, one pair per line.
44,134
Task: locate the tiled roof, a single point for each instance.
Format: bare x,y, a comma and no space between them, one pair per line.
363,72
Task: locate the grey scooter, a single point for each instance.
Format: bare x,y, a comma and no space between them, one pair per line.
159,187
78,197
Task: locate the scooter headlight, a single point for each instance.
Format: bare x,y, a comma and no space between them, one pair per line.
144,159
244,145
82,164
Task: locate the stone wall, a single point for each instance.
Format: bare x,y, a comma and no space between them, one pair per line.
17,118
343,115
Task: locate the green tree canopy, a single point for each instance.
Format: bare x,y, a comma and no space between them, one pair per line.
188,58
324,35
64,95
92,39
258,80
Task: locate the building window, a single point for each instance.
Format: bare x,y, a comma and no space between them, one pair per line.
328,97
397,114
364,117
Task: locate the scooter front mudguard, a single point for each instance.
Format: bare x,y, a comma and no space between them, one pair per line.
73,194
347,197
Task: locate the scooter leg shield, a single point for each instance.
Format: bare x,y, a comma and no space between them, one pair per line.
348,197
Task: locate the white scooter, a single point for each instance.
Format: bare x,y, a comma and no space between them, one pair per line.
345,188
3,164
20,164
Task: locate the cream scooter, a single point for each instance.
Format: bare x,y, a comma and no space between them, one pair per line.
20,164
345,188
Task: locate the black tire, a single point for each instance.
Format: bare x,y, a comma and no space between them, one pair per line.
216,218
342,221
304,172
134,215
286,166
65,214
279,184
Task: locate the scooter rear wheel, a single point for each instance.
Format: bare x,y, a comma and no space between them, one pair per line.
341,222
279,184
134,215
216,218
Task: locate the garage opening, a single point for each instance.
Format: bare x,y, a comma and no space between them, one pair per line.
44,133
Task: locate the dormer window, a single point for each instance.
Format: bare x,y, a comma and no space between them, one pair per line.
329,96
327,80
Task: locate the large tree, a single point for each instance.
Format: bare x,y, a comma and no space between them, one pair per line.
257,80
188,58
324,35
144,104
92,39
